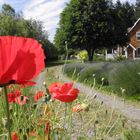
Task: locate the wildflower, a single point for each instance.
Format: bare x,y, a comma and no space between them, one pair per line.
38,95
32,133
21,100
122,89
63,92
13,95
102,79
47,128
54,87
80,107
15,136
21,60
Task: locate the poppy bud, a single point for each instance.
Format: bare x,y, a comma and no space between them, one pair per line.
44,84
80,107
34,106
96,122
102,78
102,102
106,112
95,96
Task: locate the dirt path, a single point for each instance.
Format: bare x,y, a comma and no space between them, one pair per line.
129,111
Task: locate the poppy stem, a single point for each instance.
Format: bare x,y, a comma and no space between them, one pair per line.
7,112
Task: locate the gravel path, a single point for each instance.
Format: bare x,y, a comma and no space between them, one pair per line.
129,111
40,79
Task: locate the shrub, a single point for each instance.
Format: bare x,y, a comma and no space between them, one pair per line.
120,58
83,55
100,70
126,75
73,69
133,134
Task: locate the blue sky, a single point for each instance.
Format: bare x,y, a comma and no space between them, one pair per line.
47,11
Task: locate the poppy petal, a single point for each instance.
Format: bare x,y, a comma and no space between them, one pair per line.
21,59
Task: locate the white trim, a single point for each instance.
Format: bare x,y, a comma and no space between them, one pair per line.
130,46
134,25
126,54
134,54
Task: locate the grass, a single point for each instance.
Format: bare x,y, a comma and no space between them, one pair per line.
96,122
99,120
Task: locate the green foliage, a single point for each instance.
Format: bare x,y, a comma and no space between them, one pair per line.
73,69
92,24
7,10
96,71
83,55
120,58
90,72
137,9
12,23
118,76
126,76
134,134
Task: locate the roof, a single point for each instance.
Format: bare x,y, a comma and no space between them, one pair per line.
134,25
130,46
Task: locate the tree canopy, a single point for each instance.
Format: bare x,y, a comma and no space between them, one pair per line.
92,24
137,9
12,23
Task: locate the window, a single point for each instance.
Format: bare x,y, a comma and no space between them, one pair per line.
138,36
138,52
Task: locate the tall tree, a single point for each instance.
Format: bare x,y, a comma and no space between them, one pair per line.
12,23
137,9
8,10
90,24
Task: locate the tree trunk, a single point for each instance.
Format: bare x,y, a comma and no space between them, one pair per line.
90,54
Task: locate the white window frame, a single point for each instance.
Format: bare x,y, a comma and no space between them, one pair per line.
138,35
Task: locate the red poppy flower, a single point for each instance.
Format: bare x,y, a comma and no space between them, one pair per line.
13,95
21,59
64,92
38,95
54,87
15,136
21,100
47,128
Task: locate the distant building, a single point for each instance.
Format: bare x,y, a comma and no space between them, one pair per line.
132,50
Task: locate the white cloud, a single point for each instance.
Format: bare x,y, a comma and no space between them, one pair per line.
1,2
47,11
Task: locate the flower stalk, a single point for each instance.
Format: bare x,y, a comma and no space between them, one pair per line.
7,112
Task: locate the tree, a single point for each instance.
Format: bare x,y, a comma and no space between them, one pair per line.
90,25
14,24
137,9
8,10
